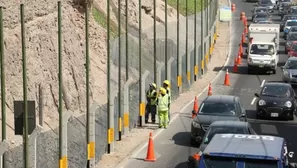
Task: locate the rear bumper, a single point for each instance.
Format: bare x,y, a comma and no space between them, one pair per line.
261,67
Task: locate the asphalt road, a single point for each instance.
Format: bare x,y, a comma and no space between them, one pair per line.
172,146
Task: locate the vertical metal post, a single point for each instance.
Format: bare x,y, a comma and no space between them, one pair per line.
90,144
3,96
202,37
195,42
110,129
187,44
179,80
166,39
119,72
25,115
140,64
127,42
207,16
62,152
155,46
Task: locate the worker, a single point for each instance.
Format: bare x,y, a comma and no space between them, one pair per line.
151,105
166,84
163,108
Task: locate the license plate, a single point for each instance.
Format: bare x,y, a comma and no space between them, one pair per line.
274,114
261,66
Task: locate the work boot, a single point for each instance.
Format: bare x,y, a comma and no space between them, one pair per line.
153,121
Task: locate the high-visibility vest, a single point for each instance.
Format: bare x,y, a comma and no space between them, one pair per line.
169,94
163,103
150,95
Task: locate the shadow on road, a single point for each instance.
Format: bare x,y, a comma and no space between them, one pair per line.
182,165
182,139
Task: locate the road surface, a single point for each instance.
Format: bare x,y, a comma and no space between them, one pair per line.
172,146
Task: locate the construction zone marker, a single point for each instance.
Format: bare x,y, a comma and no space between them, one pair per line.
150,156
209,93
227,79
235,66
195,108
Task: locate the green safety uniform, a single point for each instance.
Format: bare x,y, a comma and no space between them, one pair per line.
163,110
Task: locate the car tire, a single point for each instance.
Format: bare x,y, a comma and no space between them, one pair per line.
291,117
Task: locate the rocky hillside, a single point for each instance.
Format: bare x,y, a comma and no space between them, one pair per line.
42,54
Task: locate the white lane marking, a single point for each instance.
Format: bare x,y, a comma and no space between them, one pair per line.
263,82
253,101
134,154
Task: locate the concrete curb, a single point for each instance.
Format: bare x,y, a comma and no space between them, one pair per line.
156,133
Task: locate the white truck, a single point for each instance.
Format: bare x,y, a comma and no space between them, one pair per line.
263,47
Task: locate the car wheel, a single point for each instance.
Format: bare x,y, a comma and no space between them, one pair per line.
291,117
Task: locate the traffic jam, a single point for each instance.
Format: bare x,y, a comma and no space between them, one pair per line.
220,128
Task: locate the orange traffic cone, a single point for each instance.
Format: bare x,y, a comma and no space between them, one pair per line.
242,38
242,15
233,7
196,156
238,61
195,108
227,79
246,30
235,67
150,156
209,90
240,50
244,21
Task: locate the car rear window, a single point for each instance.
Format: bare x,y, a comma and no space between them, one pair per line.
218,108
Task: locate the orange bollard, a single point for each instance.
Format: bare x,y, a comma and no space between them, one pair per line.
195,108
242,14
240,50
150,156
233,7
242,38
246,30
238,61
227,79
235,66
209,93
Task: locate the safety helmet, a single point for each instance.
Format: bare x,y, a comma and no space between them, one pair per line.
166,82
163,90
153,85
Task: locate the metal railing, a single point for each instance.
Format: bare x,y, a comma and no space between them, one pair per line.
177,51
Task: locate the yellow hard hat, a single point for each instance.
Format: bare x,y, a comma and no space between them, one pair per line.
166,82
153,85
163,90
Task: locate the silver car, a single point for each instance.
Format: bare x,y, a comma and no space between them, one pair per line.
290,71
261,16
293,29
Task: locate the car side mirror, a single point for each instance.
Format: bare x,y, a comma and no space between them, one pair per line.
257,95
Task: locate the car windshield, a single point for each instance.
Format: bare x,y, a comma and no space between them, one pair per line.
261,15
276,91
249,163
291,64
265,2
222,130
292,37
294,10
261,10
293,29
262,49
265,22
218,108
219,162
292,23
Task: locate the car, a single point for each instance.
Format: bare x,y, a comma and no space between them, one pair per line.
292,10
293,50
261,16
290,39
288,25
226,127
284,20
266,3
290,71
257,10
291,30
276,100
284,9
214,108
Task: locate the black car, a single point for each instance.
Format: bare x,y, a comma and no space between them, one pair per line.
226,127
257,10
266,3
261,16
216,108
284,20
276,100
